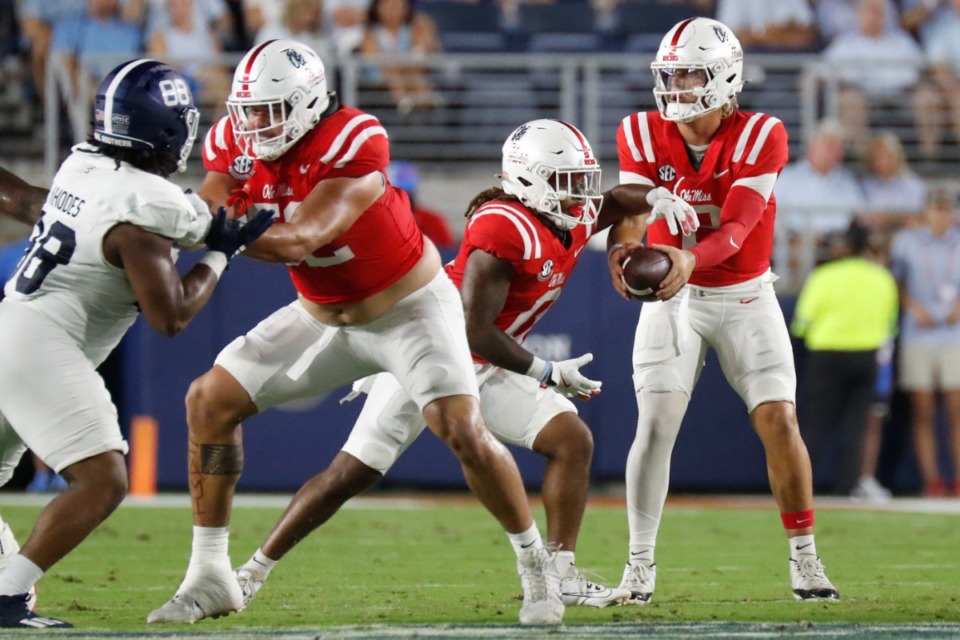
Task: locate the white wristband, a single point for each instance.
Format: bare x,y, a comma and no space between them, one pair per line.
216,260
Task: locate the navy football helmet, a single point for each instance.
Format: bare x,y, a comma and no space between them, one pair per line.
144,104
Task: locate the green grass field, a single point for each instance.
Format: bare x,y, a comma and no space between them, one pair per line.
386,564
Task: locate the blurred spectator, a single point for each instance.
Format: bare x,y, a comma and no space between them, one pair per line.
846,311
919,16
877,68
347,20
187,43
212,14
301,20
761,25
840,16
942,46
926,262
434,224
393,27
100,30
37,18
868,487
818,192
893,192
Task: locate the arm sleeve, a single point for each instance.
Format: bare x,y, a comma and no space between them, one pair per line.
741,212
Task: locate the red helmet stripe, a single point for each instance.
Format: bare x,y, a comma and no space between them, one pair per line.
676,34
253,56
583,141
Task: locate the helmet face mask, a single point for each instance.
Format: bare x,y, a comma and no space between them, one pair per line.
145,105
550,167
279,93
698,69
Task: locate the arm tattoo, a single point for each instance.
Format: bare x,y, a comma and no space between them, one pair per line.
221,459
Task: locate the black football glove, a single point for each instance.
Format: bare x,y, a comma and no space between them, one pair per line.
229,237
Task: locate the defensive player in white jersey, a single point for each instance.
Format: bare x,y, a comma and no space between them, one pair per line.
719,292
521,243
102,252
372,297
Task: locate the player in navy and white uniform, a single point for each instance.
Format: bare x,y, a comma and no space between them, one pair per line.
521,243
102,252
719,292
371,297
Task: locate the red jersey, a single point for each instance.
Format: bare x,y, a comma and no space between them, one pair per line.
381,246
223,153
542,264
748,151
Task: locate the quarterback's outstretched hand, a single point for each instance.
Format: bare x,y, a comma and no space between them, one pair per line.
229,237
565,377
680,216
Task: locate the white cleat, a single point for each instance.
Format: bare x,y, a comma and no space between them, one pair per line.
215,594
640,580
809,581
9,548
541,587
577,591
250,582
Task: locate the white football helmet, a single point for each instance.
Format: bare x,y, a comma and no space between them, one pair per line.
709,60
548,161
284,81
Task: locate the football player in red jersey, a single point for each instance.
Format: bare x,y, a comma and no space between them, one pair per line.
522,241
372,297
719,292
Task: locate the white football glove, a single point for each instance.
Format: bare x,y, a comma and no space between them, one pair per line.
680,216
565,377
196,221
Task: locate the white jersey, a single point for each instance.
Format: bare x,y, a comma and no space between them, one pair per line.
65,276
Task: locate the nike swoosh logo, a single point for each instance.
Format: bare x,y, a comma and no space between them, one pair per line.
733,244
564,381
526,546
304,168
717,175
800,522
749,300
804,546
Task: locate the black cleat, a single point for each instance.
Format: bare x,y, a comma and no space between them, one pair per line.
15,614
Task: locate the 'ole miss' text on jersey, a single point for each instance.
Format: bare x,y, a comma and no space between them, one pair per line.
732,191
542,264
378,249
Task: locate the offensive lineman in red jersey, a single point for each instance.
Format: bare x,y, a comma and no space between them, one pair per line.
372,297
718,293
523,239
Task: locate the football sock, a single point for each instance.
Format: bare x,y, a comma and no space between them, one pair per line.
565,564
260,565
210,543
19,576
648,463
641,554
801,546
525,539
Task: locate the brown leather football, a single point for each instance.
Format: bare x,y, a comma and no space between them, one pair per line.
643,271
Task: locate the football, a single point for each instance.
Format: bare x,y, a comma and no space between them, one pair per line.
643,271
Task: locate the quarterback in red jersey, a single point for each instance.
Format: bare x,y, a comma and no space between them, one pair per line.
522,241
719,292
371,297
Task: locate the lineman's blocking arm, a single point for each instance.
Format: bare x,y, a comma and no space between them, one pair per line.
217,187
19,200
486,283
333,206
